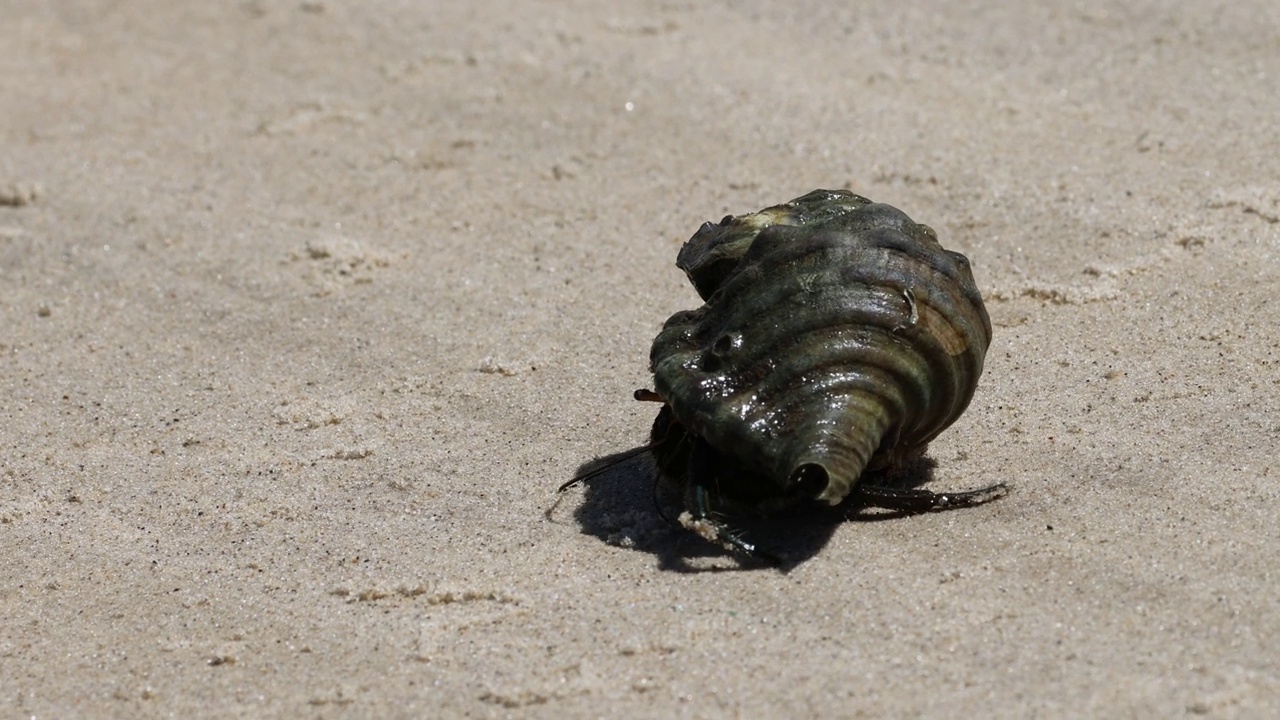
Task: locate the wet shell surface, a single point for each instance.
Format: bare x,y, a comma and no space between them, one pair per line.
837,337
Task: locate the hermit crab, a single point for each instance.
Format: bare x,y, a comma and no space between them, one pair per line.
837,338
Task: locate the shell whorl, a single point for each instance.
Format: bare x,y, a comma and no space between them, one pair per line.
836,333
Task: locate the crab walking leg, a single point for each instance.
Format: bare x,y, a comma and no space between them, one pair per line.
916,500
700,518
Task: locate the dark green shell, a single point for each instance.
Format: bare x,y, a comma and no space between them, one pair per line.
837,335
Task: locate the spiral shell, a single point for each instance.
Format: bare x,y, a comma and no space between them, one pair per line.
838,336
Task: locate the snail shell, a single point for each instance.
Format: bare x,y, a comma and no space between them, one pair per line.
838,336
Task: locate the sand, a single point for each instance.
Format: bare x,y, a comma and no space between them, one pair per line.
307,308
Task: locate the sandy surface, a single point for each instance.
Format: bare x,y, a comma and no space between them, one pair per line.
306,309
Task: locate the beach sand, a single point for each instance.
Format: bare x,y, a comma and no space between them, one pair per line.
307,309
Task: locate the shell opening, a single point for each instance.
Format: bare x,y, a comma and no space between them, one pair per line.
809,480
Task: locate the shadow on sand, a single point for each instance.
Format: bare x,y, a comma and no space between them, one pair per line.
626,505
